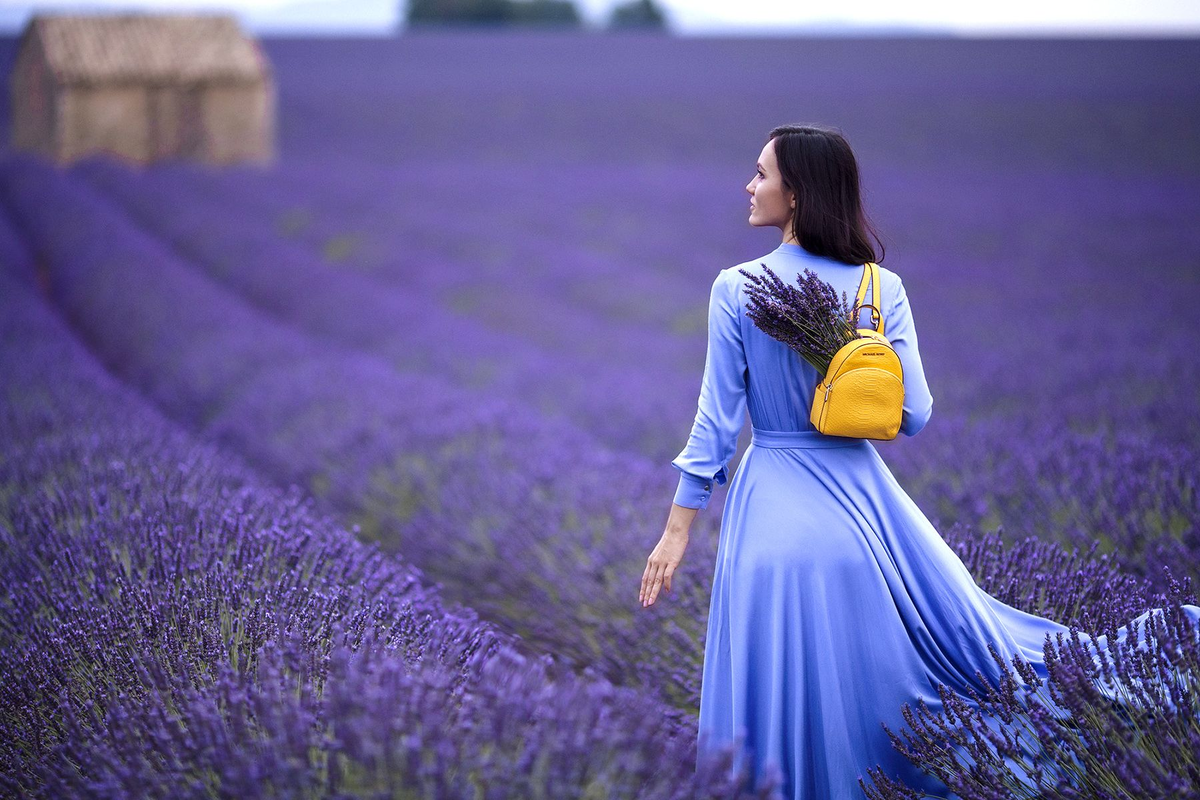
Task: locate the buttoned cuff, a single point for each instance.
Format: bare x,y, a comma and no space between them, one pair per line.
693,491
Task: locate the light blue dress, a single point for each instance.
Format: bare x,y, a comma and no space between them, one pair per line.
834,599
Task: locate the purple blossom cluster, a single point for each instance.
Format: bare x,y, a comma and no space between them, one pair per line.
808,316
1117,716
174,626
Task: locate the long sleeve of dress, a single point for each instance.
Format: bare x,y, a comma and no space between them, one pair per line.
902,333
721,410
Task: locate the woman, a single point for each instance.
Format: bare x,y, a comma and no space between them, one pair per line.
834,599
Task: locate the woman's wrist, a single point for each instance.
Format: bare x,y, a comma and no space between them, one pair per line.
679,523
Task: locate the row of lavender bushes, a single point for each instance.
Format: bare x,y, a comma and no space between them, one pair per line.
1038,578
174,627
1025,464
530,522
410,329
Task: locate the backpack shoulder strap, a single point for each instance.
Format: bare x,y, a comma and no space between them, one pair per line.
871,276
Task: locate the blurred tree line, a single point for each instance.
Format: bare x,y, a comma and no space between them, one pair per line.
559,13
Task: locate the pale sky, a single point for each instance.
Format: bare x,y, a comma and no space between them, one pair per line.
761,17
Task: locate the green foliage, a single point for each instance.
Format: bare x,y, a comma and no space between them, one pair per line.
493,12
637,14
555,12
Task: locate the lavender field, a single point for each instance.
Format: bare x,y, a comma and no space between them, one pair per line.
338,477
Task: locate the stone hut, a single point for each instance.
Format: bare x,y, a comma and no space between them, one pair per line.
143,87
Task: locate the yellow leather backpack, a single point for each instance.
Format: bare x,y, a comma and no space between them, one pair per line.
862,393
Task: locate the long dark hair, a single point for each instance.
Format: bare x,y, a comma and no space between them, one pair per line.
818,165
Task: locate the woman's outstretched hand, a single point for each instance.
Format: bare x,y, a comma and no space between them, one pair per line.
661,564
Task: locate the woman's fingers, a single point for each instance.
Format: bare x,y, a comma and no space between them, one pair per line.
647,579
655,583
660,568
648,589
652,592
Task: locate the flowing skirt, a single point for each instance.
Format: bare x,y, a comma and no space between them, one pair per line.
834,602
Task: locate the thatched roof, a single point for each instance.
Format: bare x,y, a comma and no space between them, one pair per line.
161,48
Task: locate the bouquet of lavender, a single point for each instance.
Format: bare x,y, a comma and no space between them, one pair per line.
808,318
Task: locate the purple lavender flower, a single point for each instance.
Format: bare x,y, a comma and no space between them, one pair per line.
808,317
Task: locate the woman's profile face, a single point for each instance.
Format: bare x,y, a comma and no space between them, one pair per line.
770,203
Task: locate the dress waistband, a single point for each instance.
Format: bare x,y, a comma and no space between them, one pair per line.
804,439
